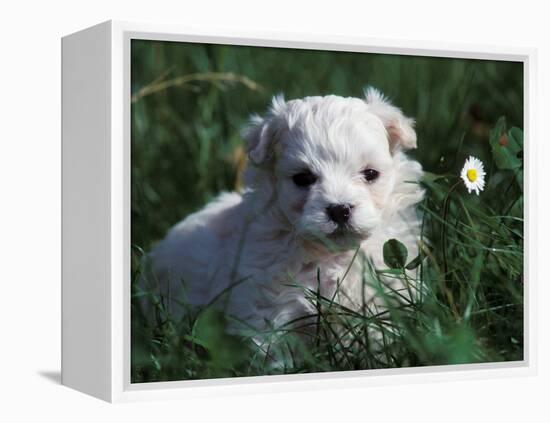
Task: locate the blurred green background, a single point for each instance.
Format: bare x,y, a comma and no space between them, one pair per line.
189,102
185,138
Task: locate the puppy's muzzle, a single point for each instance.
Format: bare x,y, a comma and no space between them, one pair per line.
339,213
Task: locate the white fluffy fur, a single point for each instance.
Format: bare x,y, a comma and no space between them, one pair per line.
274,234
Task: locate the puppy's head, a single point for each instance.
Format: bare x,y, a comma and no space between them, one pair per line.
331,162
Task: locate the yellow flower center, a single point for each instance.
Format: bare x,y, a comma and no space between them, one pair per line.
472,175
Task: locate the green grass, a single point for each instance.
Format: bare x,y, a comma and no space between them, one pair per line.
190,101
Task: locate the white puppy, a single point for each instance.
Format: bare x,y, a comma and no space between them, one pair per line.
326,175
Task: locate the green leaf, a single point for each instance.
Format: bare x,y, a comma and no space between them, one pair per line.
504,146
395,254
414,263
515,135
519,178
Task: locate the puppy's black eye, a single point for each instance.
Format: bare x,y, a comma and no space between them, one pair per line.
371,175
304,179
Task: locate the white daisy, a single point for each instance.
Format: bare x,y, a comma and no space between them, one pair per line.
473,175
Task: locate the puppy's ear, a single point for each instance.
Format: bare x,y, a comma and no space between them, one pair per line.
400,129
262,134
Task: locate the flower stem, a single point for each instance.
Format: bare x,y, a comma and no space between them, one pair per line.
448,292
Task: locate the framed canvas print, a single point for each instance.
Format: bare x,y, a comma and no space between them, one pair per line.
247,212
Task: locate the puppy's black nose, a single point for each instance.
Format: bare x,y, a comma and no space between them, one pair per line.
339,213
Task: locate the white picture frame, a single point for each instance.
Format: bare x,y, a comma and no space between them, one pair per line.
96,214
